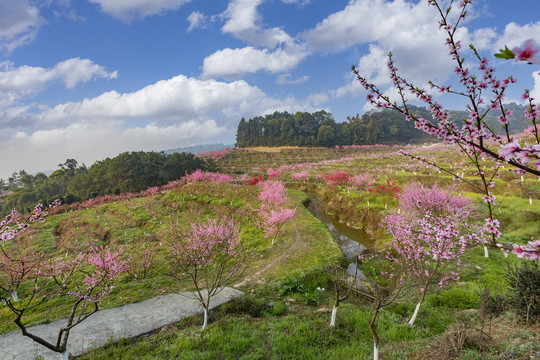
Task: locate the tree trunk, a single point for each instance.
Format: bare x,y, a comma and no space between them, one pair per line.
375,351
65,355
486,253
14,296
205,323
374,332
413,319
334,314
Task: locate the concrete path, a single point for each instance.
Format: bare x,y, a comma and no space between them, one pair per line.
111,324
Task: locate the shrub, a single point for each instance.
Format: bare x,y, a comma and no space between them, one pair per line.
279,308
247,305
311,298
456,298
291,285
524,282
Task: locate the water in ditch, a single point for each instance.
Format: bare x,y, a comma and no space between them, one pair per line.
351,241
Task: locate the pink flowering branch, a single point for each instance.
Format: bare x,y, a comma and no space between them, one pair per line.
475,136
273,221
99,270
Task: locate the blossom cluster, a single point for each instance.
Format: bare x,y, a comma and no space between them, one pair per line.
199,175
214,154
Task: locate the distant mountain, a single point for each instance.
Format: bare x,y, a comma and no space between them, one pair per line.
199,148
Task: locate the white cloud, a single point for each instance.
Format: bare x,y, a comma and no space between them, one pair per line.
285,79
196,20
535,92
18,82
169,113
237,62
271,49
19,23
128,10
243,22
43,150
483,38
515,35
166,102
409,31
241,16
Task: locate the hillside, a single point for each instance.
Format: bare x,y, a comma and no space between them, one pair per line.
291,284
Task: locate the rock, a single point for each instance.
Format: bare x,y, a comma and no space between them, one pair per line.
359,273
291,299
323,310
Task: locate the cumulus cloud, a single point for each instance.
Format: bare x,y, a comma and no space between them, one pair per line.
196,20
237,62
515,35
243,22
129,10
165,103
271,49
406,29
19,23
18,82
176,112
483,38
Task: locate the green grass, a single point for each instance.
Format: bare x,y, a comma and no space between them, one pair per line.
267,324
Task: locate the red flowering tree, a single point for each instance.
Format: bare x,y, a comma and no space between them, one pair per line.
337,178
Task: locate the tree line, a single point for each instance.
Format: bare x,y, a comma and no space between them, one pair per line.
373,127
71,182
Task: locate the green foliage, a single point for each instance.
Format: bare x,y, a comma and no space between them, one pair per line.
311,298
524,282
457,298
279,308
247,305
320,129
127,172
291,285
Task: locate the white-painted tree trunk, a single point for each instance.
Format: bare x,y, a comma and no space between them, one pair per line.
375,351
65,355
205,318
15,296
273,241
413,319
334,314
486,253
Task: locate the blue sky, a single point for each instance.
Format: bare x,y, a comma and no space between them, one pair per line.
89,79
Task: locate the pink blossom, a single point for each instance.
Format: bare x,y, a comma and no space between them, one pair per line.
508,151
527,53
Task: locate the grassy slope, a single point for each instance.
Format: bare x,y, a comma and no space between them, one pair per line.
147,221
268,324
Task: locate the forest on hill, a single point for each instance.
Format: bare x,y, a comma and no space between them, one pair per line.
126,172
374,127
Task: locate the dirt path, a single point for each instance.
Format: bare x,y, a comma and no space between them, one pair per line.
282,256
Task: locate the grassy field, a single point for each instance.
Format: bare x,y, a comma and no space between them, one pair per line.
286,312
